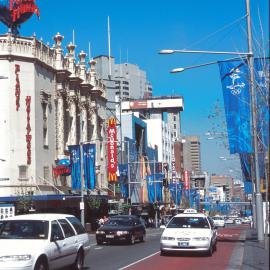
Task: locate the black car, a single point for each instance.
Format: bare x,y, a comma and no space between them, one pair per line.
126,228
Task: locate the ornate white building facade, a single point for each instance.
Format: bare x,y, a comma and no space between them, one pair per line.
47,102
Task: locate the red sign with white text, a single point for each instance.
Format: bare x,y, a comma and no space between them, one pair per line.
186,180
112,150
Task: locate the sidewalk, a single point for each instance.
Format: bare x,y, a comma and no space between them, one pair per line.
256,254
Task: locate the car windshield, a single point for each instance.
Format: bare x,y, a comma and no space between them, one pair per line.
119,222
188,222
24,229
217,218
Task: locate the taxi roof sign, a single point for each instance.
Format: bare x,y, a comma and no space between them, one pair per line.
190,211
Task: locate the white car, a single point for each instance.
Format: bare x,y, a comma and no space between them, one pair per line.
42,242
189,232
219,221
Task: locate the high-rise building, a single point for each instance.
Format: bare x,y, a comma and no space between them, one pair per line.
123,81
192,154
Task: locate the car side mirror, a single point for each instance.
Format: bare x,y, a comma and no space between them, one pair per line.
162,227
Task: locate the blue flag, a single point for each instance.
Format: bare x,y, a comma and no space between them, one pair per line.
261,76
75,161
235,84
245,162
89,167
123,179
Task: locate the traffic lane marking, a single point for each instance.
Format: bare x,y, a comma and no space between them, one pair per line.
138,261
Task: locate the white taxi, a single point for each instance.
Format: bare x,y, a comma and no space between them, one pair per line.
42,242
189,232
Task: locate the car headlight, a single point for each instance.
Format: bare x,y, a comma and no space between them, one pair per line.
121,233
15,258
100,232
167,238
201,238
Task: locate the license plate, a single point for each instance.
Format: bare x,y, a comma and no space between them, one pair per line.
109,236
183,244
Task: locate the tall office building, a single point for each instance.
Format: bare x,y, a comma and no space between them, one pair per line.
123,81
192,154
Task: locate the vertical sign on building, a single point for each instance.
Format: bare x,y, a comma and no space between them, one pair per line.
186,179
28,129
173,170
17,87
112,150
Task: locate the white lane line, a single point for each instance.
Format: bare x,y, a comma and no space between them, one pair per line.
139,261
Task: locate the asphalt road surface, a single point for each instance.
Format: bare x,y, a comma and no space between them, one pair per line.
142,256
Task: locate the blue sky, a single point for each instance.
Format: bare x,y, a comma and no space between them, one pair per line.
139,29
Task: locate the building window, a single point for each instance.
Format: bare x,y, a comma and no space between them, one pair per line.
23,172
174,126
125,82
174,118
45,124
46,172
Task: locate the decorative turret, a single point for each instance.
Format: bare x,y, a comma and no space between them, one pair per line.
58,51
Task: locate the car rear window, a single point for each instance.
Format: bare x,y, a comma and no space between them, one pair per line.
76,224
24,229
188,222
120,222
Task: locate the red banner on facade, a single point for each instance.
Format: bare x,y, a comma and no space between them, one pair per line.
112,150
186,180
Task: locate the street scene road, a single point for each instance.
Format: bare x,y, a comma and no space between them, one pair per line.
134,135
229,254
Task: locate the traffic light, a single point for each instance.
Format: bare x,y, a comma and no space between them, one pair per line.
165,182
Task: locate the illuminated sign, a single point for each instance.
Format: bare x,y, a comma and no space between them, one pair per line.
28,129
186,180
17,87
112,150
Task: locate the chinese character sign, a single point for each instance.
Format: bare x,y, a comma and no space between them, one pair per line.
112,150
186,180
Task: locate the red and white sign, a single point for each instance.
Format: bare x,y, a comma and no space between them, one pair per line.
173,170
186,180
28,129
17,87
112,150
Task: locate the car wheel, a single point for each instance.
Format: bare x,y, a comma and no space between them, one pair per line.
41,265
132,239
142,238
163,253
78,265
215,247
99,242
210,250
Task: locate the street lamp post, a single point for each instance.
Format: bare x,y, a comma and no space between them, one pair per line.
249,55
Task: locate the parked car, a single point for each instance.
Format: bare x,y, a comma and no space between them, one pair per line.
238,221
218,221
42,242
229,221
126,228
189,232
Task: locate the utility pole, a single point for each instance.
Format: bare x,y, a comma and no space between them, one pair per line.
155,198
258,195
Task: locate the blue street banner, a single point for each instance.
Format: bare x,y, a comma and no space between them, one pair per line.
245,162
75,162
261,76
176,190
89,165
151,188
235,84
248,187
123,179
